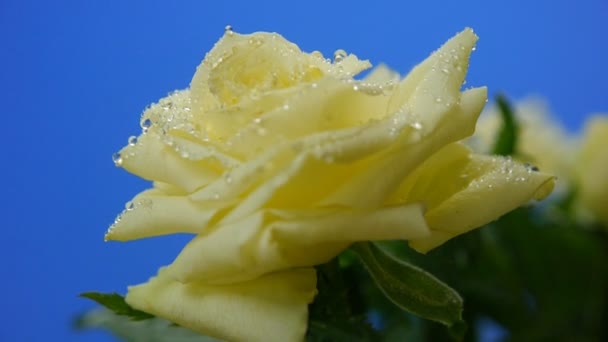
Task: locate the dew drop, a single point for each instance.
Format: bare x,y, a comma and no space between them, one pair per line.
438,100
228,30
339,55
216,195
261,131
416,125
445,71
117,159
531,168
255,41
146,124
132,140
228,178
129,206
167,105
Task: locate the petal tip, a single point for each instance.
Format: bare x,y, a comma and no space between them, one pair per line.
545,189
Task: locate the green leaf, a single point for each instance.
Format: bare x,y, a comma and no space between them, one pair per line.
116,303
151,330
411,288
506,142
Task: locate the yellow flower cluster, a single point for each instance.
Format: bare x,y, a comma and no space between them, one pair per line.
277,160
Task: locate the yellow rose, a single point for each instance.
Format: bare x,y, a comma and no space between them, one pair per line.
277,160
592,169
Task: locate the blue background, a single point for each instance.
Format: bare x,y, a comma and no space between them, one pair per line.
76,75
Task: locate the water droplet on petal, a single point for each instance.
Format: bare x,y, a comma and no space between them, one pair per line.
132,140
146,124
117,159
438,100
228,30
416,125
531,168
339,55
130,206
261,131
228,178
255,41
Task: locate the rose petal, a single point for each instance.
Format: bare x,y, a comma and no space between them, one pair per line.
153,160
382,74
288,167
169,189
434,85
384,173
455,184
238,67
330,105
270,308
274,239
154,213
